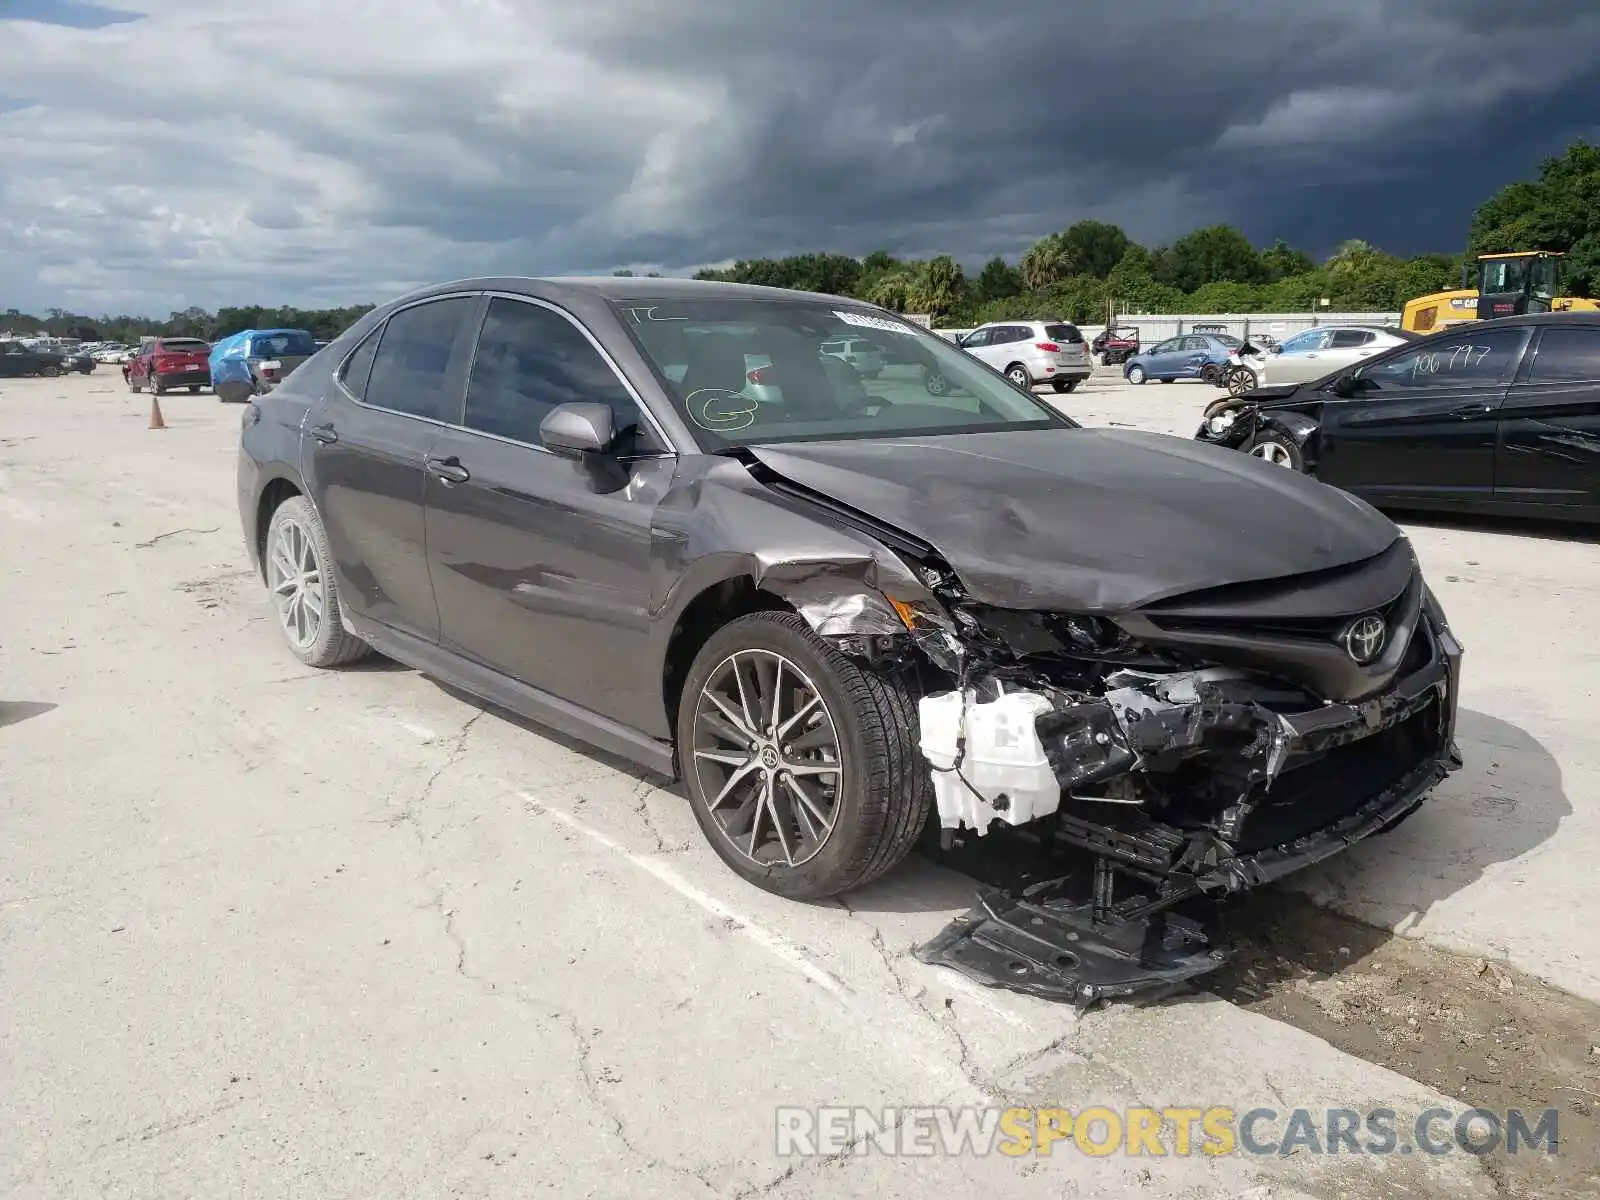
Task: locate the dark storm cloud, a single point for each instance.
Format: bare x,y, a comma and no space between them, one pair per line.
1388,121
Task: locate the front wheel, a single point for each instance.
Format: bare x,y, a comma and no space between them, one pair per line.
1018,374
936,384
299,569
1136,374
802,767
1278,450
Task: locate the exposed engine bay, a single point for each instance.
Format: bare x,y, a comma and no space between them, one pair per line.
1140,765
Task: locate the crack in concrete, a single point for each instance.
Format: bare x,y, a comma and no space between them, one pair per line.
903,989
458,748
588,1080
640,802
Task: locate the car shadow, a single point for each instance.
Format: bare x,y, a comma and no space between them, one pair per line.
14,712
1507,799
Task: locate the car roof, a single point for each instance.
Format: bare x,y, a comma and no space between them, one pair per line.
1548,318
628,287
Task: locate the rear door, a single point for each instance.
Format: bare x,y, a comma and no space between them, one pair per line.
1549,449
15,360
367,442
542,564
1422,426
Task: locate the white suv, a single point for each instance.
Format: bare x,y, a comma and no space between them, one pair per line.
1032,352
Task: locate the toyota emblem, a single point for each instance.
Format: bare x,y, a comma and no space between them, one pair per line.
1363,638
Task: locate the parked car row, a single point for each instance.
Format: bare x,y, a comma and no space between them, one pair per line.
17,359
1500,416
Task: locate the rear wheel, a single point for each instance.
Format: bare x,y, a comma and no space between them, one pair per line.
1066,385
156,386
48,370
802,767
194,389
1241,380
133,384
299,570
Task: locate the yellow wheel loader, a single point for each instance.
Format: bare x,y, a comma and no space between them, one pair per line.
1507,285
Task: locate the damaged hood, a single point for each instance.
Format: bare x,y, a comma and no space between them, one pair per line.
1090,520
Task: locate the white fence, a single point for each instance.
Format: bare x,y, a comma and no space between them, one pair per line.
1155,327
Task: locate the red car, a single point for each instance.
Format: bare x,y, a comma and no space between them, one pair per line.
168,363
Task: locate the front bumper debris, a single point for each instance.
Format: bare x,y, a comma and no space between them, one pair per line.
1310,784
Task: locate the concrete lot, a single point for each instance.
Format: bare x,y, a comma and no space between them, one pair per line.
266,931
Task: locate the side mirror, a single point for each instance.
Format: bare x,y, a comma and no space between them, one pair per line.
1344,386
573,430
1276,349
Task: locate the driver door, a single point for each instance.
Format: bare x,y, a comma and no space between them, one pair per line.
1422,425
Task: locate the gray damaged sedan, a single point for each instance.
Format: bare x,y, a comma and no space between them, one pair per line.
850,613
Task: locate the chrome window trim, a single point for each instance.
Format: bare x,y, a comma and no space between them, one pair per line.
644,409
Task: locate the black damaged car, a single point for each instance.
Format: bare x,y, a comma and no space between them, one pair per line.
1499,417
653,515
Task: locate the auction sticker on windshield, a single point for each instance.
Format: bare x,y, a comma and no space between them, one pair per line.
866,322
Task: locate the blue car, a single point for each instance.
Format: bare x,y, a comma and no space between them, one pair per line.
1185,357
254,361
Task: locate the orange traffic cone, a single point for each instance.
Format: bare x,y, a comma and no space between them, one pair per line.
156,421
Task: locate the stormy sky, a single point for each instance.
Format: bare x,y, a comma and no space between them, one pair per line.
313,152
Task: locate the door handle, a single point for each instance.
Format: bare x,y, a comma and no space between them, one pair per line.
326,434
1468,411
447,471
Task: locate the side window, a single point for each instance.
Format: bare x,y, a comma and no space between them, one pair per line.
1471,360
532,359
1567,355
359,365
1166,347
1347,339
1196,343
412,365
977,339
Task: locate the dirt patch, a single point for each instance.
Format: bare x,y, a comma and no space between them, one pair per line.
1475,1030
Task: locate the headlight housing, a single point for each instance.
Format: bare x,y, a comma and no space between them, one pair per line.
1221,423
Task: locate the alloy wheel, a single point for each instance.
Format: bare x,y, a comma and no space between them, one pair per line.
767,757
296,582
1020,378
1273,453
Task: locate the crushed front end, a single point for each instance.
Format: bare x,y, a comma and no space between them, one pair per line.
1197,746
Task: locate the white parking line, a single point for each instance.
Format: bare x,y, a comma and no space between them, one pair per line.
775,944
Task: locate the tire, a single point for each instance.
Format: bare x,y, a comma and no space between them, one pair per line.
1168,378
936,384
1241,380
1066,385
330,645
1018,374
48,370
883,792
157,388
1210,374
194,389
1105,360
1277,449
1135,374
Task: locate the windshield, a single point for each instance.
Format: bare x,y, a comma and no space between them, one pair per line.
1502,274
1063,333
753,371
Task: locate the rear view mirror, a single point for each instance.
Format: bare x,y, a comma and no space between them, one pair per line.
573,430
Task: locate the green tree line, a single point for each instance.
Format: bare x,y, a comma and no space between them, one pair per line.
1075,273
1079,271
